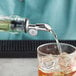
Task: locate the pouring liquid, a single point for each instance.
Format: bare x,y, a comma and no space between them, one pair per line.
56,39
61,73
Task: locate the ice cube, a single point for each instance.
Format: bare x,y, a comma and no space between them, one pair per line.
50,63
65,62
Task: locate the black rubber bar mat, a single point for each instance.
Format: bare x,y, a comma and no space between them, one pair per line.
24,48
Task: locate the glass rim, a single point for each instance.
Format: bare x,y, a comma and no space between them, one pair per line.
51,44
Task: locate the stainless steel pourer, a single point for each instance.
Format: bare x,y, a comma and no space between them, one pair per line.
34,28
18,24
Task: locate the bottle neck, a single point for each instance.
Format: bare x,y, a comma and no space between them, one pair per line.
13,24
17,24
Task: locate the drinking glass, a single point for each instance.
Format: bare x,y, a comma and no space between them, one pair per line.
53,63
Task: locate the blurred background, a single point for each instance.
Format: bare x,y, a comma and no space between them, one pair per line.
59,14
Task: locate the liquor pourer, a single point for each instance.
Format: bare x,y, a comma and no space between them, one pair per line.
18,24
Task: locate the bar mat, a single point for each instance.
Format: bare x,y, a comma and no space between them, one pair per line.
24,48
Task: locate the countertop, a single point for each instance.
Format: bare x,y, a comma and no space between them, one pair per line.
18,67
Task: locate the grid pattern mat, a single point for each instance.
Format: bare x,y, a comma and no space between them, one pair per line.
24,48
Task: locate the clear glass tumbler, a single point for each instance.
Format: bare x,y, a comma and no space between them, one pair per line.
52,63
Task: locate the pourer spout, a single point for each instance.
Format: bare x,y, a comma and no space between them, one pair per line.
38,27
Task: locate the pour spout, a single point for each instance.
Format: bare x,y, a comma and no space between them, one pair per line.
38,27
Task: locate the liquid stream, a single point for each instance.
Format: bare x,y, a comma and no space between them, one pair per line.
56,39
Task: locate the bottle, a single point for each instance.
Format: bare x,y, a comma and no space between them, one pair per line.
18,24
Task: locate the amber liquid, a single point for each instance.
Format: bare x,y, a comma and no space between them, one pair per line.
40,73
